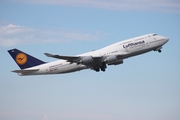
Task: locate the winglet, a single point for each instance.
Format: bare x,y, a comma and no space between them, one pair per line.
48,55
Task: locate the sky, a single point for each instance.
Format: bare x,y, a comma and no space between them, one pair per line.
144,87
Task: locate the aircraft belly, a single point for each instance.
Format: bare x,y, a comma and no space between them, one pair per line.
71,68
67,68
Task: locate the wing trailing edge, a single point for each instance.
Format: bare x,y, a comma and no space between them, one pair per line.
68,58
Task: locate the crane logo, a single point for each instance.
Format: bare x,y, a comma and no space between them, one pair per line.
21,58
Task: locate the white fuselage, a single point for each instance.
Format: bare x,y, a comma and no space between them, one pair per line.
128,48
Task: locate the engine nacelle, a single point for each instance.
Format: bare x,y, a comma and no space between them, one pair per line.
111,59
87,60
117,62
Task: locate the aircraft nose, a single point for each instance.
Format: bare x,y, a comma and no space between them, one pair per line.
163,39
166,39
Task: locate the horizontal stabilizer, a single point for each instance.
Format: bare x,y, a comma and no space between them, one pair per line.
25,71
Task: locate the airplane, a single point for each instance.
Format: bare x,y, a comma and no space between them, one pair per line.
96,60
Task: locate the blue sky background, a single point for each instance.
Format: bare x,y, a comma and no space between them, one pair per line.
145,87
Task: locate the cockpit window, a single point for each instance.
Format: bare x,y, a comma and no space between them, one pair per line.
154,34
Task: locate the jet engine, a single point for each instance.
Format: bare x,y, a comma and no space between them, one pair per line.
87,60
117,62
112,60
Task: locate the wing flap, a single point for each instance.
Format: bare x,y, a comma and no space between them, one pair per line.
25,71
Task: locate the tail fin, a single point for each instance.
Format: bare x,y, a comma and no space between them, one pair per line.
24,60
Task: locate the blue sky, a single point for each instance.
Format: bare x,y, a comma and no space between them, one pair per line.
145,87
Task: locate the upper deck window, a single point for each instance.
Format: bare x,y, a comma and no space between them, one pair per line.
154,34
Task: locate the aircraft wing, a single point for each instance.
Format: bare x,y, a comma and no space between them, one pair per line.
68,58
95,63
76,59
